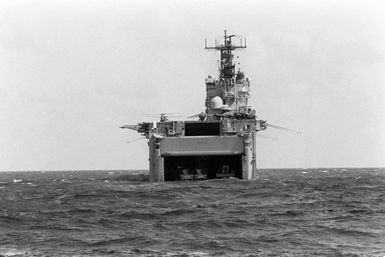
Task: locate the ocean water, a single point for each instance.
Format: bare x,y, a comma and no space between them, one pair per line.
313,212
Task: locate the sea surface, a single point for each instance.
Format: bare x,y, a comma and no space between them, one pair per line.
285,212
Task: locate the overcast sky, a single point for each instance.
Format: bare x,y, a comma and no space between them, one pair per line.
72,72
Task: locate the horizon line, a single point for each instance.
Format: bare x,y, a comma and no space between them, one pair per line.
146,170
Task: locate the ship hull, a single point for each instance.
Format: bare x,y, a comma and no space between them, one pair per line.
202,157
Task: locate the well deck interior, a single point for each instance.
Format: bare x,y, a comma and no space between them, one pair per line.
202,167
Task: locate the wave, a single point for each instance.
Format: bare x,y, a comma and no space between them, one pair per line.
133,177
138,215
122,240
348,232
289,213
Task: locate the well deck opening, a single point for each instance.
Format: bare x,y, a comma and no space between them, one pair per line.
202,167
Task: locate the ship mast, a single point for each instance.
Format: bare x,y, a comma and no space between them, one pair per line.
231,85
226,68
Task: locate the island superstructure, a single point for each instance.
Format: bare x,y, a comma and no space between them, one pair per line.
217,143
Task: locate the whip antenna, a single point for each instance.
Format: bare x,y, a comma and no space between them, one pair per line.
298,132
134,140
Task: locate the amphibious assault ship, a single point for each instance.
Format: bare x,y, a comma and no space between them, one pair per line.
217,143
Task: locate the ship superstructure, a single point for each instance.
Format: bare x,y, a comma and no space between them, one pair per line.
217,143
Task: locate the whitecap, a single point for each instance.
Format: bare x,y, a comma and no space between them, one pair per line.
304,172
192,254
63,196
17,180
325,171
12,252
